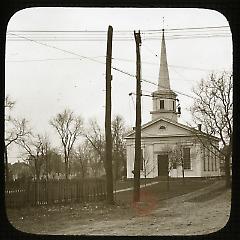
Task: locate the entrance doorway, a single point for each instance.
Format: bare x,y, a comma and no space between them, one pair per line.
162,165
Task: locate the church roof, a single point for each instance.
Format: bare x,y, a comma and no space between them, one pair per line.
163,80
131,133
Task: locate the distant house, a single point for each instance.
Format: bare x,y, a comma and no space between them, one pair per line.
19,170
163,134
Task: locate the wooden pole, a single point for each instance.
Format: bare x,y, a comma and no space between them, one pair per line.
108,130
136,171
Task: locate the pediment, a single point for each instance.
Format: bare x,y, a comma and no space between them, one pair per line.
161,128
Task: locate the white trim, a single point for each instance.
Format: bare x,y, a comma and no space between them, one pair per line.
128,136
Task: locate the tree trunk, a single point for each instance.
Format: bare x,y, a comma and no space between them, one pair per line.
227,171
66,170
46,168
6,165
183,172
37,180
125,168
66,166
227,163
117,166
168,183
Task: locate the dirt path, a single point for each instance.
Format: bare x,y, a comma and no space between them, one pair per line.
200,212
131,188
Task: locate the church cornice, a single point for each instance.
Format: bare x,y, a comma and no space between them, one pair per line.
164,93
163,111
194,131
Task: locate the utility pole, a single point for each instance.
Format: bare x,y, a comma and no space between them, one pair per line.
108,130
138,153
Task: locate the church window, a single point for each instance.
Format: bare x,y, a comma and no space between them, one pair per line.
173,105
208,157
215,159
186,158
204,159
212,156
161,104
162,127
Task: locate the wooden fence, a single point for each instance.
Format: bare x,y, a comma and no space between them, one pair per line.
34,193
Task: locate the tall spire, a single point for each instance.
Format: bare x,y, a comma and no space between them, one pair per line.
163,80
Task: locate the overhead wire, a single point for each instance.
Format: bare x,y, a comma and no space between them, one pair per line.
57,48
124,31
47,59
113,58
119,35
92,59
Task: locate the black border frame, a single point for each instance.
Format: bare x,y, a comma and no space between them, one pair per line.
229,9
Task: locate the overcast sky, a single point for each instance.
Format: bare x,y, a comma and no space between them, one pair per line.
45,77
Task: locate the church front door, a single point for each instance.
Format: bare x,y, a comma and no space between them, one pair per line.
162,165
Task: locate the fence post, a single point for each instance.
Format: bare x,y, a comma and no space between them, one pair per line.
88,192
82,192
26,192
97,197
77,191
47,195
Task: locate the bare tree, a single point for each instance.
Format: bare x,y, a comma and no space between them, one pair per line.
14,130
212,109
68,127
176,158
32,146
82,158
55,164
96,138
45,153
9,104
119,148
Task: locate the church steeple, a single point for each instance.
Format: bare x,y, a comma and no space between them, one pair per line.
163,80
164,99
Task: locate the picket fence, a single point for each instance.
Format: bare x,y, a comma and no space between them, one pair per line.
49,192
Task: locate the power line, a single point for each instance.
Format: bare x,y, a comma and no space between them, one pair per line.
92,59
148,95
121,31
97,39
47,59
121,35
117,59
60,49
189,28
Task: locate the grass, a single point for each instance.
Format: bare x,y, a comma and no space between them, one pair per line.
208,196
44,219
160,190
128,183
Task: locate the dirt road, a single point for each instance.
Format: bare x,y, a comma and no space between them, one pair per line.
200,212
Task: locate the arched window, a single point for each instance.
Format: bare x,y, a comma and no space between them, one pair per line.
162,127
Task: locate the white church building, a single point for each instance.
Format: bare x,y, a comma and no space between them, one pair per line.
167,146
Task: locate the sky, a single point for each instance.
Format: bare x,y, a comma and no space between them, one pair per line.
45,74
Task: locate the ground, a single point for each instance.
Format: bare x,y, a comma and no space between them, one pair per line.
199,211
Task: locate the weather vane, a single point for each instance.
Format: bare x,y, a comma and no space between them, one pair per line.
163,23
